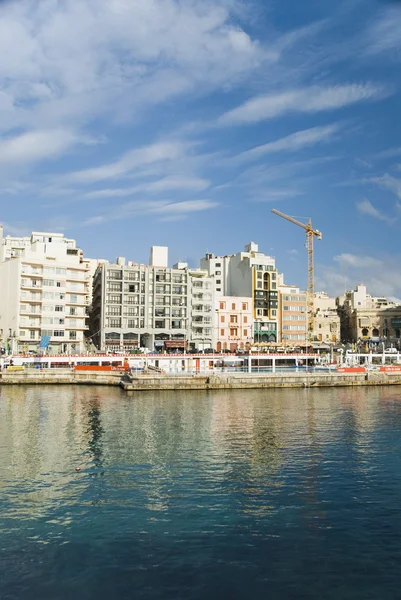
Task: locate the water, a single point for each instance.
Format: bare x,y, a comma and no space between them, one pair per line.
249,494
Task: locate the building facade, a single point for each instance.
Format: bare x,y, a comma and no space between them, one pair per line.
327,319
200,309
249,274
369,320
233,323
293,316
139,306
45,293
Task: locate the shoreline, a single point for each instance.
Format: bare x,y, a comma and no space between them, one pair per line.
201,381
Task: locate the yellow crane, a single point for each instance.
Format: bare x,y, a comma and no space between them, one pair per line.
310,235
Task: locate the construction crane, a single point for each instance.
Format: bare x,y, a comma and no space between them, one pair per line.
310,235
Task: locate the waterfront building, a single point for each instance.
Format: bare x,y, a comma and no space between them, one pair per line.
200,309
250,274
327,319
233,323
45,293
137,305
293,321
369,319
152,306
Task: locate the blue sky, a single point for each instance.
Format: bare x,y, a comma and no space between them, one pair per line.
127,123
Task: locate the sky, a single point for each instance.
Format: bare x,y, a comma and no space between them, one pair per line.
131,123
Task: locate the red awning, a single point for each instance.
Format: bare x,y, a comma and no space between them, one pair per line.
175,343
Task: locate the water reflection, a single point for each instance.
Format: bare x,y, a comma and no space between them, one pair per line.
175,473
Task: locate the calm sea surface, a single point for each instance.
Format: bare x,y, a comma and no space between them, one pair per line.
249,494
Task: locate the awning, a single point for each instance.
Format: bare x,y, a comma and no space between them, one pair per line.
175,343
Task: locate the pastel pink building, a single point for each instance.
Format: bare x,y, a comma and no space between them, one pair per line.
233,323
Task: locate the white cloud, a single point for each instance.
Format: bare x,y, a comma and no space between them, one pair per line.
163,209
134,159
366,208
76,60
34,146
381,275
389,183
384,34
290,143
306,100
165,184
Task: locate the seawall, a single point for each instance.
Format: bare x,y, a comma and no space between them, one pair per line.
214,381
59,376
257,381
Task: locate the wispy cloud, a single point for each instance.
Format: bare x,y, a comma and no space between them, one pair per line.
383,35
166,184
365,207
291,143
307,100
134,159
388,182
35,146
163,209
381,275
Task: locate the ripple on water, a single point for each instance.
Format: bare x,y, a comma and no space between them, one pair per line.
278,494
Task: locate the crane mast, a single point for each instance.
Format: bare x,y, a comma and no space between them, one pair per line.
310,235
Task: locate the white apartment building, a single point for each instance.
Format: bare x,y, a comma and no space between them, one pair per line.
200,309
138,305
44,293
152,306
249,274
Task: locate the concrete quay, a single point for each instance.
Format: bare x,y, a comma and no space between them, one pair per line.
59,376
255,381
201,381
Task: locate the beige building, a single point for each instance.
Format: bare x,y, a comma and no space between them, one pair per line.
370,319
327,319
45,291
250,274
293,316
233,323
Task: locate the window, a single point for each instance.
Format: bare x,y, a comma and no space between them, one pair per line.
245,332
218,264
60,321
58,333
73,298
132,323
244,306
218,281
234,332
274,312
115,323
222,305
73,335
48,282
159,324
245,319
46,332
32,334
221,331
233,319
233,306
22,333
218,272
222,319
218,289
73,311
59,308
